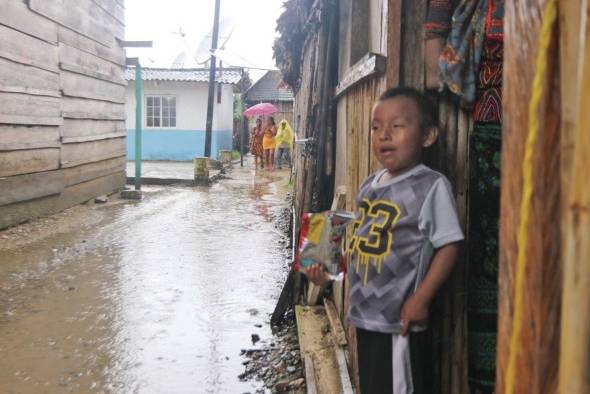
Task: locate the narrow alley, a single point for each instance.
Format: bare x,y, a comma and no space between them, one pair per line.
153,296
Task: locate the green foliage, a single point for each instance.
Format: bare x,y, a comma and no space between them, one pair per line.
289,45
238,107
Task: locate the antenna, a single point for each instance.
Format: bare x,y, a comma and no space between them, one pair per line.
180,60
203,52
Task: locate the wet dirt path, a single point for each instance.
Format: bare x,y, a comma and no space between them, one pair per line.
156,296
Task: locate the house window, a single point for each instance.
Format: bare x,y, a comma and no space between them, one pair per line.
161,111
359,25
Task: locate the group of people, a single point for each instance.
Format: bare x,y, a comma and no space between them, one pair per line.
265,140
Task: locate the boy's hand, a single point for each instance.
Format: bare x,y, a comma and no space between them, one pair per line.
414,311
317,275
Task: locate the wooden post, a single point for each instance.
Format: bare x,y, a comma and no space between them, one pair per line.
538,347
212,72
574,366
138,124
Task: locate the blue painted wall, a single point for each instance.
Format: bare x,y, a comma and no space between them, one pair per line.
177,145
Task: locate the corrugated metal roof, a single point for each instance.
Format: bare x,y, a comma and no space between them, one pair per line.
268,88
231,76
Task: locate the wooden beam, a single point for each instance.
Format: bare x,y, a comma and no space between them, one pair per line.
369,66
335,323
136,44
412,43
538,348
309,375
574,365
394,21
343,371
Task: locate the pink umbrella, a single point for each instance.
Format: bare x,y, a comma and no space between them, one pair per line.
261,109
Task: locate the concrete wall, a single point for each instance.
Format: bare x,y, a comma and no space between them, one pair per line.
187,139
62,94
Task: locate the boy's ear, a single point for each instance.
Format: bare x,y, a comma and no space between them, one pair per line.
430,136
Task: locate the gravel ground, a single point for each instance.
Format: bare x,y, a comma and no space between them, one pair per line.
277,362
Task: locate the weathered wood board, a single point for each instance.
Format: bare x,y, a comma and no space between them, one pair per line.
76,108
87,152
76,85
113,8
30,186
82,16
538,344
314,344
80,62
16,14
28,161
24,49
73,128
113,52
22,109
23,137
87,172
20,212
20,78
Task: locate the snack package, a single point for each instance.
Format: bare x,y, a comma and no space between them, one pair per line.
320,241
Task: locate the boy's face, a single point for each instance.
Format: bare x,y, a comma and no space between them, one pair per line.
396,134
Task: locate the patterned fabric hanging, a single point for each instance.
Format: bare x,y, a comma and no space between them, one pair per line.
484,206
459,61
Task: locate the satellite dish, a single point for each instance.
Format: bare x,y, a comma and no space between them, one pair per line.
179,61
203,52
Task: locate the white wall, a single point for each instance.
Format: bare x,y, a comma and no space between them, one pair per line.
191,104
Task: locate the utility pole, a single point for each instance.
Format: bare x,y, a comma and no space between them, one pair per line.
212,71
138,123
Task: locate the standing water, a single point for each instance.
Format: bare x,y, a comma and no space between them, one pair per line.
156,296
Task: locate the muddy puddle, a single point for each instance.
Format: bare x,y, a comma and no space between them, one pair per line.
157,296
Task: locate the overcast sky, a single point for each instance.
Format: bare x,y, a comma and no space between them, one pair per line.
253,22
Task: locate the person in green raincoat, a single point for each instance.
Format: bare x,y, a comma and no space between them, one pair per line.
284,139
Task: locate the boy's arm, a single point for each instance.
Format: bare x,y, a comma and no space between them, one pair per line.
415,309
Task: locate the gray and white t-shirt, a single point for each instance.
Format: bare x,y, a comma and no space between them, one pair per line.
402,221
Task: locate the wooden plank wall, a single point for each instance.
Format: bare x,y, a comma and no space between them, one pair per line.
62,138
399,36
538,348
574,360
404,34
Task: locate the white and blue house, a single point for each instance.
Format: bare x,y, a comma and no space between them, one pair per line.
175,112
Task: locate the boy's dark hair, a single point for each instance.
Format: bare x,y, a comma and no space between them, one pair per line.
428,114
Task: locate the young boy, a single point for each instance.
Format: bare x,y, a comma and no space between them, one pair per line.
404,246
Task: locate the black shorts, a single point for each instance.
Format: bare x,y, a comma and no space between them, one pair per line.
376,366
